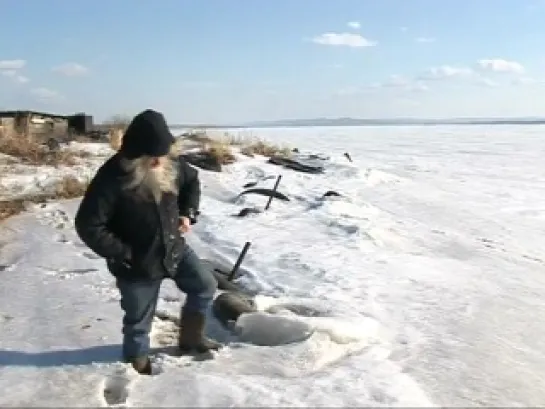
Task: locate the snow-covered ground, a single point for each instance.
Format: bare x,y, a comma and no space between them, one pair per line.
425,279
20,179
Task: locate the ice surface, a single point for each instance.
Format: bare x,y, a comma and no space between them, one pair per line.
422,285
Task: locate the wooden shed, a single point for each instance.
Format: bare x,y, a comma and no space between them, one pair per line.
33,123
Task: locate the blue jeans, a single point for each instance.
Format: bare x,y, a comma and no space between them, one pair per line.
139,301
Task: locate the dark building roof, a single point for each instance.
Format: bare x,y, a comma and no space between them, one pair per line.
13,114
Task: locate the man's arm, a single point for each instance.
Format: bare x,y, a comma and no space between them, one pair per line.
189,196
91,220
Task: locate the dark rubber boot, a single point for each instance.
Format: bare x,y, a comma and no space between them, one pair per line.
142,365
192,334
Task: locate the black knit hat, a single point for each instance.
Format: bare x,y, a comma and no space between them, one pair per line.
147,134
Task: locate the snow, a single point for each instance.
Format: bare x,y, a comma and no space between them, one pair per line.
21,180
421,286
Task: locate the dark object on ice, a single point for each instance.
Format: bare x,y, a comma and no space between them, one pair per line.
347,156
315,156
53,145
331,193
249,184
274,191
295,150
228,306
246,211
221,278
203,160
239,260
295,165
266,192
225,278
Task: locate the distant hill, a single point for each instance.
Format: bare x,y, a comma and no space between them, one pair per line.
397,121
346,121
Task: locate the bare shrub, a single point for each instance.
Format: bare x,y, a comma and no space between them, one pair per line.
10,208
31,152
220,152
68,188
260,147
115,137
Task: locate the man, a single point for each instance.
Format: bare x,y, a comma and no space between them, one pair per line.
133,214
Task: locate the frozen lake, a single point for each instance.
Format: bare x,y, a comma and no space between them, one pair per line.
427,273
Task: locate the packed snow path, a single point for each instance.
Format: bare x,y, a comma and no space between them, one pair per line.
425,282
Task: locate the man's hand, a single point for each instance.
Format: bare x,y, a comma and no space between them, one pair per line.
185,225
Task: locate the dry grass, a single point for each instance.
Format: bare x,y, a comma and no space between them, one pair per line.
265,149
220,153
33,153
115,137
67,188
10,208
251,145
247,143
116,126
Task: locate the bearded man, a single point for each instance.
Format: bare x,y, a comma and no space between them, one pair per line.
134,214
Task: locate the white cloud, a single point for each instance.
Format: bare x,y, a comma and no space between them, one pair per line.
45,94
487,82
354,24
12,64
445,72
14,76
71,69
425,40
343,39
500,65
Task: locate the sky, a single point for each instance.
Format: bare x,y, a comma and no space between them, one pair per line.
231,61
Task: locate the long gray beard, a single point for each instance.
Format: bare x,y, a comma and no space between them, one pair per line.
150,181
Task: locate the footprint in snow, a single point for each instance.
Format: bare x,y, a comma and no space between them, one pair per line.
56,218
116,390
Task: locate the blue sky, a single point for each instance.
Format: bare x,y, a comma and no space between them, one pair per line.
243,60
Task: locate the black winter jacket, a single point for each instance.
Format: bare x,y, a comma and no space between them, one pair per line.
138,238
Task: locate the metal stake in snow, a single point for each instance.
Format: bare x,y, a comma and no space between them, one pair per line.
273,191
239,261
